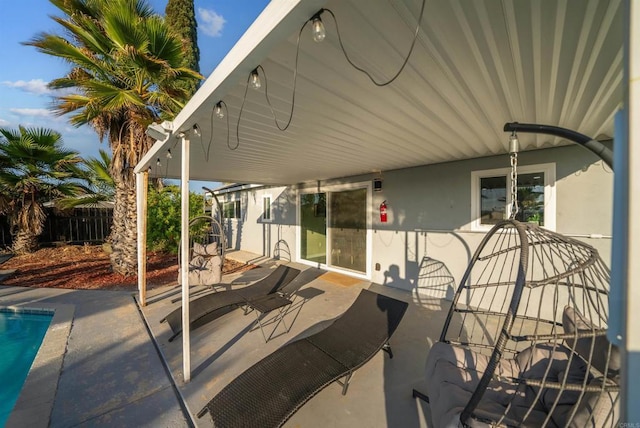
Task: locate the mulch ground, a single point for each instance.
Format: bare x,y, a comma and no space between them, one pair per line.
88,267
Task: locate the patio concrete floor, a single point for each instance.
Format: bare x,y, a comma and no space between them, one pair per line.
112,375
97,365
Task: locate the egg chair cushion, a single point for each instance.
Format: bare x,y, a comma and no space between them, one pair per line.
604,356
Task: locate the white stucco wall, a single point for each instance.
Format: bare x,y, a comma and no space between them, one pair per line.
429,224
429,213
274,238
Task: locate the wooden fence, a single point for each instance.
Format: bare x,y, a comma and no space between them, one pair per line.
90,225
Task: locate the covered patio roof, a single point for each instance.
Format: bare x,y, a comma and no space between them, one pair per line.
475,66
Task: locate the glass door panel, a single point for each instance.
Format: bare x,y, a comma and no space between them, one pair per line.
348,229
313,227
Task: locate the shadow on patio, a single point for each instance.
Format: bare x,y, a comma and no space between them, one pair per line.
380,393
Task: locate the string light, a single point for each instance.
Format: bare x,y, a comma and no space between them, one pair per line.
362,70
254,79
169,156
223,104
317,28
217,110
318,33
158,163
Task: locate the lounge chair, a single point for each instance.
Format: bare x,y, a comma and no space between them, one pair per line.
211,306
272,390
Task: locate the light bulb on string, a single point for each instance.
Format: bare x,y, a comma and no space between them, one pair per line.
254,79
317,29
169,156
217,110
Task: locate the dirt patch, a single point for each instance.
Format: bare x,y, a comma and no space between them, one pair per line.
88,267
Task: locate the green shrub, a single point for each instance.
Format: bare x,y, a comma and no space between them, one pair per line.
163,217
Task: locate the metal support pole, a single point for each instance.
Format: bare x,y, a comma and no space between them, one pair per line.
141,212
184,259
630,215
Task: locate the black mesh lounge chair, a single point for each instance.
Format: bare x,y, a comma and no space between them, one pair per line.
211,306
272,390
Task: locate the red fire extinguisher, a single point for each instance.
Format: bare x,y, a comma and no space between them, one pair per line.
383,212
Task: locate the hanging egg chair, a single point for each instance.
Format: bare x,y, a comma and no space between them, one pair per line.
207,248
524,342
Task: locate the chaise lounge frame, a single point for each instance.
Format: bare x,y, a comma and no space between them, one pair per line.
213,305
272,390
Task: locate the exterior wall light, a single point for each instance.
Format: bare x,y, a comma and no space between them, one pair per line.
377,184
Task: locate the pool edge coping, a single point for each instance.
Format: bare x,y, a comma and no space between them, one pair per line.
35,402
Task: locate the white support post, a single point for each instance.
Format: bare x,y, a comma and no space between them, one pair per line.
631,297
141,212
184,260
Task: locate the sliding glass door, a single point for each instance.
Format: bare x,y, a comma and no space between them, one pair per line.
348,229
313,227
333,228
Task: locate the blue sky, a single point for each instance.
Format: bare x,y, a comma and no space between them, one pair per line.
24,97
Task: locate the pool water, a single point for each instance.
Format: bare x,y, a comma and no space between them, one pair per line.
21,334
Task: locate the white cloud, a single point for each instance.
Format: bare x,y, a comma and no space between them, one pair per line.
4,123
39,112
33,86
211,23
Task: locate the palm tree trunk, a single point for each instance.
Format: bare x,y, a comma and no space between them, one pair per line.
124,229
24,242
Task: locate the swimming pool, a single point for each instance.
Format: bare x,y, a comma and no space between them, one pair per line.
21,333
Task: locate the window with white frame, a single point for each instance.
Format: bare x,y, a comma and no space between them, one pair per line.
231,209
266,208
491,196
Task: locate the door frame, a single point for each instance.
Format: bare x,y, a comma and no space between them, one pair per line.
318,188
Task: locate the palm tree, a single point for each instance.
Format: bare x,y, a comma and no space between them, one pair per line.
100,187
127,71
34,168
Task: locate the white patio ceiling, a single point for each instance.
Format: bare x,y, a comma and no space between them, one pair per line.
476,65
